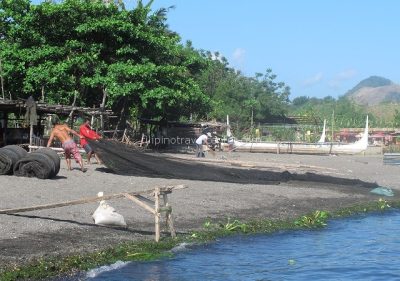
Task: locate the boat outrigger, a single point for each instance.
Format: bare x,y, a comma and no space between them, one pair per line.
321,147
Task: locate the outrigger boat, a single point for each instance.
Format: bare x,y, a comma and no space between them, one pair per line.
321,147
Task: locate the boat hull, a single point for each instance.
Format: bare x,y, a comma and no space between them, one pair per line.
301,148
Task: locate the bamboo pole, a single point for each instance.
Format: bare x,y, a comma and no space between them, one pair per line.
157,213
169,218
87,200
57,149
30,137
136,200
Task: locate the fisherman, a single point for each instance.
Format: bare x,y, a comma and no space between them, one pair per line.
88,133
61,132
202,140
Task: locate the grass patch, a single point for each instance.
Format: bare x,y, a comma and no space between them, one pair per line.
150,250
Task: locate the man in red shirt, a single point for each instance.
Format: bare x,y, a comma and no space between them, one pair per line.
88,133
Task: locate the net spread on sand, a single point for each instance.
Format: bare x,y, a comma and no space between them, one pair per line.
126,160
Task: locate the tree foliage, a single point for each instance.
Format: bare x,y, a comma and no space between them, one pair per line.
345,113
87,47
241,97
396,118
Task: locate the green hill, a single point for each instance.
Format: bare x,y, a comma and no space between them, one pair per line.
370,82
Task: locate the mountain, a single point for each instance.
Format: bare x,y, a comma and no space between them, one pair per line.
375,90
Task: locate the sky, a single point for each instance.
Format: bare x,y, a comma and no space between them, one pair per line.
318,48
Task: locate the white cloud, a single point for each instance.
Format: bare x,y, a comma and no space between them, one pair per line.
340,77
216,56
346,74
239,55
334,84
313,80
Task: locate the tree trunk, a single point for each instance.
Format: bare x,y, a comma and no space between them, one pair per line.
122,118
2,80
71,114
103,104
42,94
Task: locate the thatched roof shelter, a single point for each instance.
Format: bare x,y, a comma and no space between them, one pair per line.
22,134
18,106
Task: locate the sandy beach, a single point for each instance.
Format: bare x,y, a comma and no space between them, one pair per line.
71,229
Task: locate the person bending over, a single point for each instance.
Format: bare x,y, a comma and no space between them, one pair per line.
199,143
61,132
88,133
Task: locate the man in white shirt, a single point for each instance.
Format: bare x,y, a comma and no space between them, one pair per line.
203,139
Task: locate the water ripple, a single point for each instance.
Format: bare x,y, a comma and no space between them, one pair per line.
362,248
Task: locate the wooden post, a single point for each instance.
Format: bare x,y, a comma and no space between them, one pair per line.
141,141
30,137
168,216
157,213
5,128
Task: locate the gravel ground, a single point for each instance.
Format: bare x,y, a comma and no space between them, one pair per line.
71,229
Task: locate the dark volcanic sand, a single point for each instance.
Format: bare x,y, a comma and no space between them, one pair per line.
70,229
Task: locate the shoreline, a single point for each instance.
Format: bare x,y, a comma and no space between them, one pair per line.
77,266
70,230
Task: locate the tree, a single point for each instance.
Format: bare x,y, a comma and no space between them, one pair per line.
299,101
347,113
272,96
396,119
87,48
245,99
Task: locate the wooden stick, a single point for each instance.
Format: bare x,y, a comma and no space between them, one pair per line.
58,149
169,218
166,205
145,200
157,213
57,205
30,137
140,203
84,200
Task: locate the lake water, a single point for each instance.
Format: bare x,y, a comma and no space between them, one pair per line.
361,248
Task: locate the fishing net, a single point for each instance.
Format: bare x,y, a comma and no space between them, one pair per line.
9,156
126,160
43,164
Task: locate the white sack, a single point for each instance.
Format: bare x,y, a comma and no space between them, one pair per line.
106,215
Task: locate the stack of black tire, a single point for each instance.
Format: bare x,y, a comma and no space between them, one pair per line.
43,163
